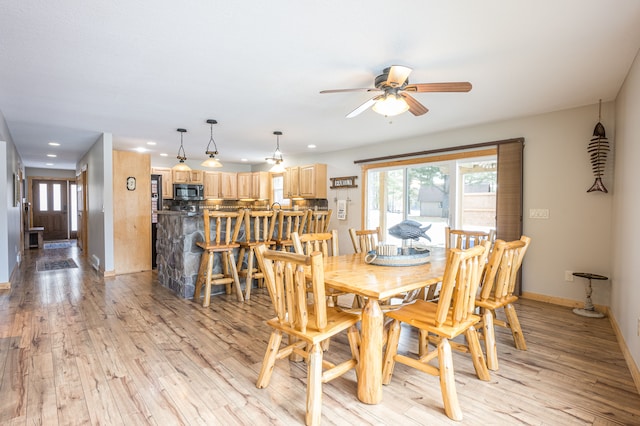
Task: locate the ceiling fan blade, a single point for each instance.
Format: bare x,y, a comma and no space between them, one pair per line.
415,107
398,75
363,107
461,86
359,89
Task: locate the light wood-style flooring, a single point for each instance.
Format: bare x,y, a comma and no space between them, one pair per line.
76,348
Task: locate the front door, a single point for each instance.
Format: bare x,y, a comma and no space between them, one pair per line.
50,208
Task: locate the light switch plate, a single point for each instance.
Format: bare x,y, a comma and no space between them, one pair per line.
538,213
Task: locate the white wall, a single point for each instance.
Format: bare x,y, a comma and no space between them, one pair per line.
625,296
557,174
10,164
54,173
99,165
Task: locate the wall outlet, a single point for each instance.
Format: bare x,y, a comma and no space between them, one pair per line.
568,276
538,213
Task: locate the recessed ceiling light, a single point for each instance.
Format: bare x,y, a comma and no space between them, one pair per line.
164,154
151,143
54,144
140,149
51,155
243,159
49,164
311,146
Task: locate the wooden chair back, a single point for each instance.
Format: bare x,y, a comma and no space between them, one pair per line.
463,271
226,231
288,221
364,240
258,225
285,280
500,274
458,238
324,242
316,221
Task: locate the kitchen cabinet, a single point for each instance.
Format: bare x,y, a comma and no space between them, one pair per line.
212,185
229,185
188,176
309,181
254,185
167,181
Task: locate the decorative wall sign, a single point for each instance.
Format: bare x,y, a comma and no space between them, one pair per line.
343,182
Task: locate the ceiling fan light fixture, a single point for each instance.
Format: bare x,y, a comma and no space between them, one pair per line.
276,157
181,166
391,104
212,161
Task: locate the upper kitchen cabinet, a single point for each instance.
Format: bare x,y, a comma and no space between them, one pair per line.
212,185
229,185
308,181
253,185
188,176
167,180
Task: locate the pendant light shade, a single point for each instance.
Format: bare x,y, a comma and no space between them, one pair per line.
276,158
181,166
212,161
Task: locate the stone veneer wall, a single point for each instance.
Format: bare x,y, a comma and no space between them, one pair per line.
178,256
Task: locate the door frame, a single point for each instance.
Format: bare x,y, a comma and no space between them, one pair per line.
30,180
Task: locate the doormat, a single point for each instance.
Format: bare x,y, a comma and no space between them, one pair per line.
55,264
64,244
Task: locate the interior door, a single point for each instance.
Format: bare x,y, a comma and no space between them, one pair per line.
50,208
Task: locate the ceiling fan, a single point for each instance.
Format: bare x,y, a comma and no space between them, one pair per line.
395,98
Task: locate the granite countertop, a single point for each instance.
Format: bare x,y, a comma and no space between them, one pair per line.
179,213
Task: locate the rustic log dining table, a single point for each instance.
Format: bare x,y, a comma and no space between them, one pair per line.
351,274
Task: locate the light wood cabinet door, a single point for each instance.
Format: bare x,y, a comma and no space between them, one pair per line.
229,185
167,181
212,185
260,185
196,176
181,176
245,179
292,182
313,181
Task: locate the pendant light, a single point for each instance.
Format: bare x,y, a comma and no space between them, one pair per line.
276,158
212,161
181,166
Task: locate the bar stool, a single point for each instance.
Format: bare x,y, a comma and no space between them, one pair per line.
226,234
258,229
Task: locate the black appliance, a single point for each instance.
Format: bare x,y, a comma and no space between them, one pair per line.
188,192
156,204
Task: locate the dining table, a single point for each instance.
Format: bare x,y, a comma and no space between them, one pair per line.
352,274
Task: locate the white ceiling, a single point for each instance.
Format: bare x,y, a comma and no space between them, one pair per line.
70,70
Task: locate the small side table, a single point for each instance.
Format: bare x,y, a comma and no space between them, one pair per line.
589,310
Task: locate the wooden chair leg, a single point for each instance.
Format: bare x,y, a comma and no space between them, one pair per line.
447,381
207,288
226,269
423,342
204,261
476,354
392,349
249,279
234,275
489,333
269,360
514,324
314,386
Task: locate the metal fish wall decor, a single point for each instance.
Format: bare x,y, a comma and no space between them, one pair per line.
598,150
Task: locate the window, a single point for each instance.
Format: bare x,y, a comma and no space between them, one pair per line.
277,189
43,195
452,190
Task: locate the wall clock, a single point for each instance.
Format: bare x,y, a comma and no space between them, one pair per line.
131,183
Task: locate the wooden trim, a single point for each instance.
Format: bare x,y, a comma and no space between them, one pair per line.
439,150
5,286
432,159
570,303
633,367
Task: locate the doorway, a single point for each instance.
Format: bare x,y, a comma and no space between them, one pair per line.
51,208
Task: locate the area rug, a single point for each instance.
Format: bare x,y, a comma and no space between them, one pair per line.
55,264
64,244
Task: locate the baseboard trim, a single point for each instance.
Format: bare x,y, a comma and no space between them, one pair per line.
631,364
5,286
109,274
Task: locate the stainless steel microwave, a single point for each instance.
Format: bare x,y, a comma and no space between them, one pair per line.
188,192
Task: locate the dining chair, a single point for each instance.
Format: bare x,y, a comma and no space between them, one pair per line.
462,239
325,242
449,317
258,229
288,221
226,226
310,324
364,240
316,221
496,291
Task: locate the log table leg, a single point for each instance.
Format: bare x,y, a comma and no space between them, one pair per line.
370,366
